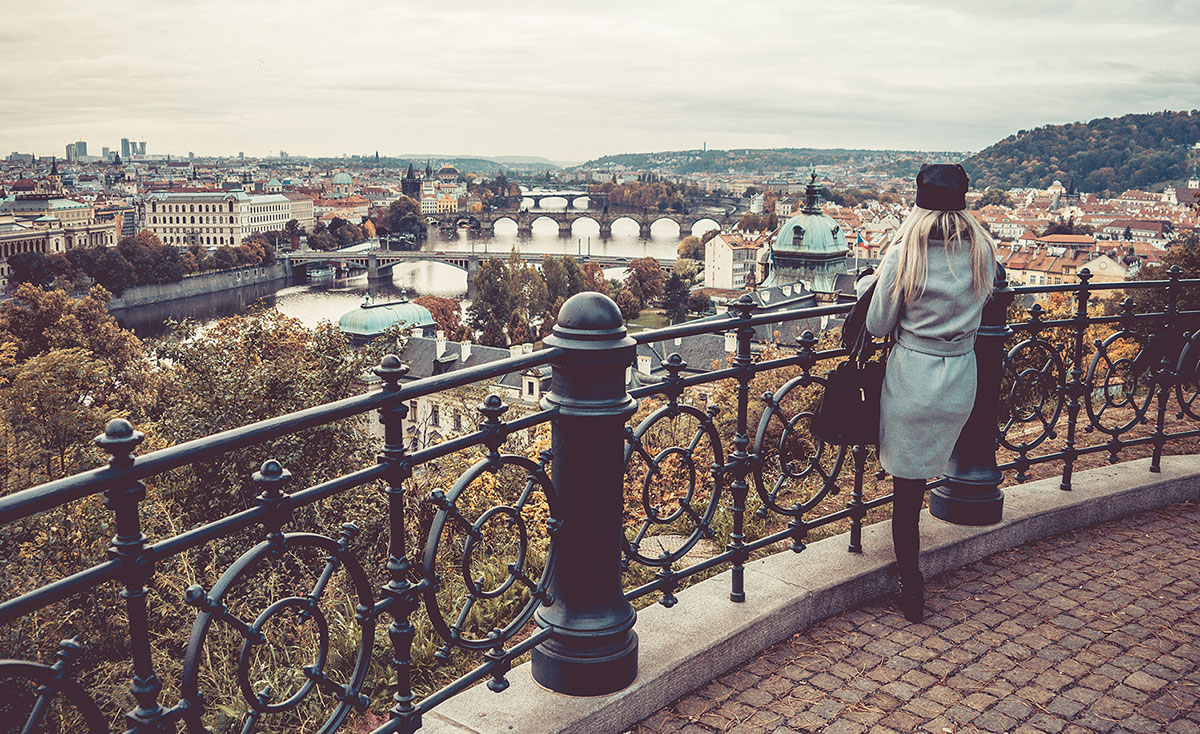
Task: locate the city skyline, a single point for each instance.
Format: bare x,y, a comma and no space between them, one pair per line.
574,84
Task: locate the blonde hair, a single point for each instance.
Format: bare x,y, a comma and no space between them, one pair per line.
957,229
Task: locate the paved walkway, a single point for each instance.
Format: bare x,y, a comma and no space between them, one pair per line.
1093,631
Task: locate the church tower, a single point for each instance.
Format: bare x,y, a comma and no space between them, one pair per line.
810,247
55,177
410,185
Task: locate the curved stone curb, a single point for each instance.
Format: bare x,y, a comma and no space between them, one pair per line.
705,635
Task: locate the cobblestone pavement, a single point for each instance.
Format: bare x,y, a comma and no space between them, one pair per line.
1096,630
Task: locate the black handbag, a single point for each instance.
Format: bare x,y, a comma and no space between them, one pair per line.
848,413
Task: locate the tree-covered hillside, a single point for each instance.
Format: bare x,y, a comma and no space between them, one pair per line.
1109,154
762,160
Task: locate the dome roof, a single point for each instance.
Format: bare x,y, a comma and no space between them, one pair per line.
342,178
817,233
447,169
372,319
811,230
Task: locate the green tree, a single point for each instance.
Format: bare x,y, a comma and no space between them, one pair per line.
399,209
675,299
114,272
699,302
30,267
555,275
493,305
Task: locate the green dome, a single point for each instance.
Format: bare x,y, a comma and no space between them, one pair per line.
811,231
372,319
342,178
815,233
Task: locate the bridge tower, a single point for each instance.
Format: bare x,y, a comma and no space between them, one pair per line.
644,228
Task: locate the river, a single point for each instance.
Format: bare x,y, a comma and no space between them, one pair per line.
311,303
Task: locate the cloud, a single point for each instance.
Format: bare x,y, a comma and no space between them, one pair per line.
577,82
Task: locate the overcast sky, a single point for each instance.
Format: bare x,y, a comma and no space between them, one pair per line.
574,80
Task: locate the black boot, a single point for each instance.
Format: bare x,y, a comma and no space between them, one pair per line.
908,495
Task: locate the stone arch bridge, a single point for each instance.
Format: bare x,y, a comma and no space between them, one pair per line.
485,221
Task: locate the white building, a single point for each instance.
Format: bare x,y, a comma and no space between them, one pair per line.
728,260
214,218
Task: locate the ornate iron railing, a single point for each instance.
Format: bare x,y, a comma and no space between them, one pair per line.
568,607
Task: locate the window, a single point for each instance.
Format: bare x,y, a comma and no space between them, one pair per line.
457,420
433,416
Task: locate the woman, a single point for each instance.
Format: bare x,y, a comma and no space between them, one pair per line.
931,286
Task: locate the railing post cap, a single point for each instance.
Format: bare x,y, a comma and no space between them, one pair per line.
589,321
119,438
391,370
271,472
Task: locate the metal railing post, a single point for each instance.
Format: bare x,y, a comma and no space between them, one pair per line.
971,495
593,648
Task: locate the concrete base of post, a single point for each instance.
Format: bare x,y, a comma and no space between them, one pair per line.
608,669
963,503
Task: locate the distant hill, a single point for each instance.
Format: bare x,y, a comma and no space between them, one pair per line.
1106,155
741,161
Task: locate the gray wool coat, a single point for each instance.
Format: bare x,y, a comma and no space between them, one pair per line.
929,384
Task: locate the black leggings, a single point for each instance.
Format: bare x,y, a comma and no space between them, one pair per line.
908,495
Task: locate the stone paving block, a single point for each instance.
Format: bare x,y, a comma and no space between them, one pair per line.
1046,648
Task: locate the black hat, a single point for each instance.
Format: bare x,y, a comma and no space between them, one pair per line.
942,186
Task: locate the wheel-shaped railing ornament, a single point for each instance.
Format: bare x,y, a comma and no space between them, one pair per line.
1032,391
1187,382
1121,381
50,683
215,609
677,451
792,459
480,531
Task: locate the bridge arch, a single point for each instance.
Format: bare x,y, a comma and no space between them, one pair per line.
705,224
653,220
546,217
503,218
572,220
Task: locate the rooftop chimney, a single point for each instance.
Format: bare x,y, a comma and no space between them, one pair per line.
464,351
730,342
440,343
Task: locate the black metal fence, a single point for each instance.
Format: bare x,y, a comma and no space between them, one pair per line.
568,608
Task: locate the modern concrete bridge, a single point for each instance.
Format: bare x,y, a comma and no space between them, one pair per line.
378,263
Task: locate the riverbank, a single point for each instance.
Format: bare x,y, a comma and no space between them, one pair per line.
200,285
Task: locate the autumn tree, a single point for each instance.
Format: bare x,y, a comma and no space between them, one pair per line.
446,313
646,279
691,248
